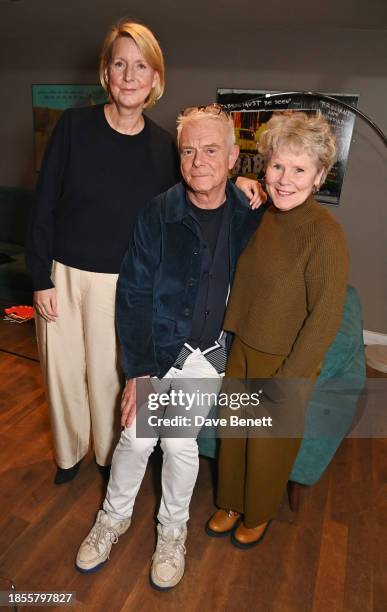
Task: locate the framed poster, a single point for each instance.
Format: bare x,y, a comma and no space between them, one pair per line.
253,111
49,102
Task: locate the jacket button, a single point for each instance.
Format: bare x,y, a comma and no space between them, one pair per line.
187,312
191,282
195,251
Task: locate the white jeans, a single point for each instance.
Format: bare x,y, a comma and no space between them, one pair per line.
180,455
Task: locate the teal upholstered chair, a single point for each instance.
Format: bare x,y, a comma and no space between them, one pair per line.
333,405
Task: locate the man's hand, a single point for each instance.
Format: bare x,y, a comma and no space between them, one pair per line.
129,401
46,304
253,190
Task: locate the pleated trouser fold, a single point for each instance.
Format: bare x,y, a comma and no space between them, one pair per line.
78,355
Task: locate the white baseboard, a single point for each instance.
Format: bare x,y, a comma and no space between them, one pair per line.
371,337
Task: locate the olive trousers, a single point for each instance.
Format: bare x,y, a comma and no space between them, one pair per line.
253,471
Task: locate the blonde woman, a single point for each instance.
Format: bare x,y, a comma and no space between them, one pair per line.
284,311
102,165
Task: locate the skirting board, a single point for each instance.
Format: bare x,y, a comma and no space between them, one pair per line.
371,337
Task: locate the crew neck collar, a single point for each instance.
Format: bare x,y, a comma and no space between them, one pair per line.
296,214
115,132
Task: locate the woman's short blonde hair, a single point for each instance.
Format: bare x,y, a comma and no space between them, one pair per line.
301,133
149,47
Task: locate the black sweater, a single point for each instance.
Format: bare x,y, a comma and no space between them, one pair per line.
92,184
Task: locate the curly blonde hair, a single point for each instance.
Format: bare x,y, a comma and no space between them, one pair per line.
149,47
300,132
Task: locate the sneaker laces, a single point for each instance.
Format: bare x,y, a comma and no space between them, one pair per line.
99,532
167,548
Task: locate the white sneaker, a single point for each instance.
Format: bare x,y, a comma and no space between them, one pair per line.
95,548
168,560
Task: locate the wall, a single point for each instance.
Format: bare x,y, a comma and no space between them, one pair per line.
350,61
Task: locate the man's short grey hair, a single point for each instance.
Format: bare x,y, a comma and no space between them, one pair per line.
198,115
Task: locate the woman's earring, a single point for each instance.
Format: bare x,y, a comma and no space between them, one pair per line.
315,189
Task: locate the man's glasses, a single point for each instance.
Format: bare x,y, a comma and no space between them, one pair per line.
210,109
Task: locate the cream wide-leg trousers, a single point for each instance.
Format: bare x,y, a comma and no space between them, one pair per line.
78,355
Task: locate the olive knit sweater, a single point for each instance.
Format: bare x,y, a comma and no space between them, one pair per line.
289,288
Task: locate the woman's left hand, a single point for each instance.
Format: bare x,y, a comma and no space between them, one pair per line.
253,190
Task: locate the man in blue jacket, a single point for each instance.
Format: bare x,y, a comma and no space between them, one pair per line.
171,299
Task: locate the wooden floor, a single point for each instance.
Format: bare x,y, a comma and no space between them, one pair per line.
330,557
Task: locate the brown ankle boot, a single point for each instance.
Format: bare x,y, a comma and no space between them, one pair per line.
222,523
245,537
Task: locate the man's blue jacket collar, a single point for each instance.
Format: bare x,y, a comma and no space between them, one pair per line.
178,208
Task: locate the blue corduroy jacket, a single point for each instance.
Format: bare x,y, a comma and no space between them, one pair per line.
158,281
